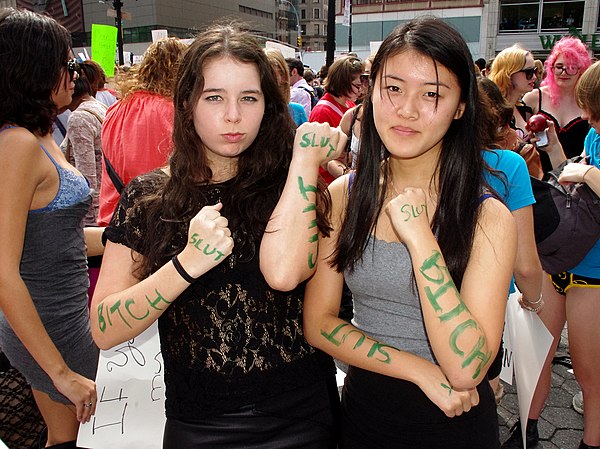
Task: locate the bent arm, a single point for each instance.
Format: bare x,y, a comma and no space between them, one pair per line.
324,330
288,251
465,327
122,306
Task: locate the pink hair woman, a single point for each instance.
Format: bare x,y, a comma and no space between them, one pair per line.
555,99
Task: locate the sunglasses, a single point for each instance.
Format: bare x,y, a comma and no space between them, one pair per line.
71,67
529,72
364,79
569,70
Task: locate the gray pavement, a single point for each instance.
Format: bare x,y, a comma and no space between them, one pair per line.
560,426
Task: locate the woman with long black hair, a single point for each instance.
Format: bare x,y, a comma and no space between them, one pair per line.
427,251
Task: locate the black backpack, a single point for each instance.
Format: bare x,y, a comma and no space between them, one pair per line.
314,99
566,221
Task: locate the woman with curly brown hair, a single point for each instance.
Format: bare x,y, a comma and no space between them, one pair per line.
136,134
217,247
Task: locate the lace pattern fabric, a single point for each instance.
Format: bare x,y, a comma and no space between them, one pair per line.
229,339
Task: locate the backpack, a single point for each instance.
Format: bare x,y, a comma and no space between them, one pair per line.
566,221
314,99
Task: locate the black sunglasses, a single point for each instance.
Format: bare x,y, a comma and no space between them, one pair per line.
530,72
71,67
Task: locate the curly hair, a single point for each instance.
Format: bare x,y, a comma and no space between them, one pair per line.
262,167
574,53
506,63
34,50
156,73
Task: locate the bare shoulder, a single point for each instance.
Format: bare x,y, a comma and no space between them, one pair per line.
532,99
18,146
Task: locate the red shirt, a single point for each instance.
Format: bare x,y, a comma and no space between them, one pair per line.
327,110
136,139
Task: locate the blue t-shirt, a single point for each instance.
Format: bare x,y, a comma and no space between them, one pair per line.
515,191
590,265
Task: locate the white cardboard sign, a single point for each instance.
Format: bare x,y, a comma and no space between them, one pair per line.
131,395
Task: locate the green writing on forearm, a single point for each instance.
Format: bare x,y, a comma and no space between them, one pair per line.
438,274
411,211
196,241
159,298
310,140
447,387
313,223
305,189
105,312
477,354
377,348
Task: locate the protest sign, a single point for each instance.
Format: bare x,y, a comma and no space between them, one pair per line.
104,47
130,412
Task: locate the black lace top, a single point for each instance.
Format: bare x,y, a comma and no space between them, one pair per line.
229,339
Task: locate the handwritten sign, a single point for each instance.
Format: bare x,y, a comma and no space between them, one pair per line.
104,47
131,394
159,34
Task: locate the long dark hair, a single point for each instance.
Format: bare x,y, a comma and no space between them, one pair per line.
262,167
33,53
460,166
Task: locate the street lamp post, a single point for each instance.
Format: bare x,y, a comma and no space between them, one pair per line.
297,17
117,5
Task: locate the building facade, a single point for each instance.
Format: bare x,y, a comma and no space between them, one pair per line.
488,26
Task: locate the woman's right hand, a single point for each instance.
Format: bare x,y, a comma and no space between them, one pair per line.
209,241
437,388
80,390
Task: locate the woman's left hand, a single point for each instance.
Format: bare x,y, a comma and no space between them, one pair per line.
574,172
408,213
319,142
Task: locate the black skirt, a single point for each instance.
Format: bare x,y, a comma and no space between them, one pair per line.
382,412
306,417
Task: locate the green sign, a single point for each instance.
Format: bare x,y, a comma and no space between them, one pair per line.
104,47
591,40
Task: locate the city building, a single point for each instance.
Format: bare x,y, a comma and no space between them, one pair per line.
488,26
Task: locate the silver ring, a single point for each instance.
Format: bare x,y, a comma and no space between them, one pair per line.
89,404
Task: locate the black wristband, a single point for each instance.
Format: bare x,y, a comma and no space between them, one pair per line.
184,274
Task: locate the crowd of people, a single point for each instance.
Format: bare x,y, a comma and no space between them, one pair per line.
247,213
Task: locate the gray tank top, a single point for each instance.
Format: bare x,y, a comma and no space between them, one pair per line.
386,302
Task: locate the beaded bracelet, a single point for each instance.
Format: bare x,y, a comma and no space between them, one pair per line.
184,274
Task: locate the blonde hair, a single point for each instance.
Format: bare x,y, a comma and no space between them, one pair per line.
157,71
281,71
587,91
508,62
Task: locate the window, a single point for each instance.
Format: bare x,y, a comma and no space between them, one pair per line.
317,29
535,15
303,13
316,13
563,14
303,28
519,15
